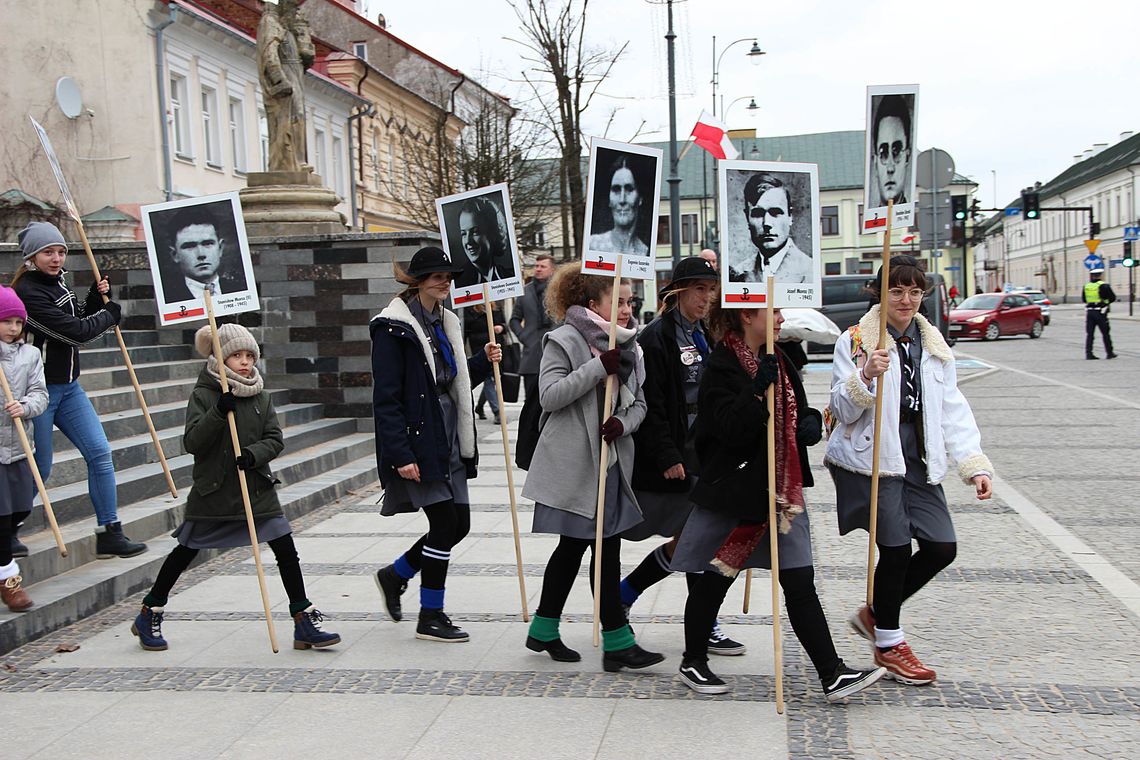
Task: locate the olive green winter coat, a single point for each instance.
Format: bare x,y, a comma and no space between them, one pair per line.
215,494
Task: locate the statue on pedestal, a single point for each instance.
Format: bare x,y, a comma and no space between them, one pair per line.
284,50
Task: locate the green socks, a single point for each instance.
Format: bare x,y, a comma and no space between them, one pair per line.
620,638
544,628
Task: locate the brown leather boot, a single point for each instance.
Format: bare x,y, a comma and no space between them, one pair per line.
13,594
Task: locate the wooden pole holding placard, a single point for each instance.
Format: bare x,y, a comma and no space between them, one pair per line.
236,443
773,525
130,369
873,520
506,454
23,434
603,461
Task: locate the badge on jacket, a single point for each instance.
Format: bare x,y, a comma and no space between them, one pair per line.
690,355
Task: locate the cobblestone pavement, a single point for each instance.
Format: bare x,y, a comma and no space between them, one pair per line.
1035,642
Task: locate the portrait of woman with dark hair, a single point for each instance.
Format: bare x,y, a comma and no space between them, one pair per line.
484,239
625,199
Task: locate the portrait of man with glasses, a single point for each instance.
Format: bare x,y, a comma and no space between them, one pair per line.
890,155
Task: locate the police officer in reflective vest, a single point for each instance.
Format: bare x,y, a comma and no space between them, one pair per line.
1097,296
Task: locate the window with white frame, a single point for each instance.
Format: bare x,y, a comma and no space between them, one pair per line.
263,138
319,152
179,118
360,50
210,140
338,165
375,159
237,134
392,164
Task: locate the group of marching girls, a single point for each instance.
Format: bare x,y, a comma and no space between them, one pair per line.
687,459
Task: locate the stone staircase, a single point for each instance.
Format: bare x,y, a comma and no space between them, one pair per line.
324,459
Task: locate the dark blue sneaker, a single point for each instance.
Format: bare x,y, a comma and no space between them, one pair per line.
307,631
148,627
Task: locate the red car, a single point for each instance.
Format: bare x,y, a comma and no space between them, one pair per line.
990,315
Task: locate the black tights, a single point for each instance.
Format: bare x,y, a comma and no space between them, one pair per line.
563,568
448,524
288,565
899,575
805,613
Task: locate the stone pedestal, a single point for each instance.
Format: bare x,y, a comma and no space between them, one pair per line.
288,204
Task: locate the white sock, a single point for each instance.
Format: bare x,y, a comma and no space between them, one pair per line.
885,639
11,570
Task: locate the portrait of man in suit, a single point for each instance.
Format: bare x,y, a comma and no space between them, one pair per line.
198,254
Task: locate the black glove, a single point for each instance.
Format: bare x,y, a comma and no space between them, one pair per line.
612,429
611,360
809,429
227,402
245,461
93,293
115,310
767,373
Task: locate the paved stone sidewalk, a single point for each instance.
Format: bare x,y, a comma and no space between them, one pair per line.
1035,658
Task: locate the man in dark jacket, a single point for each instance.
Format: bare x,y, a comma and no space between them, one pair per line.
530,323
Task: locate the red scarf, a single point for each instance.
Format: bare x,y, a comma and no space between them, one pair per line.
744,539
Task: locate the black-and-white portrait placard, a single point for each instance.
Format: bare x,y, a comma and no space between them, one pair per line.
890,152
621,208
194,244
769,213
479,234
57,170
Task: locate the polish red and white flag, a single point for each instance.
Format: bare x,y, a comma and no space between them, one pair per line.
712,135
909,238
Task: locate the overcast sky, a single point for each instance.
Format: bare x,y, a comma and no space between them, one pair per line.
1013,87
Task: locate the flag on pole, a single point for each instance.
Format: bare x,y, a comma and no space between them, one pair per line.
908,238
712,135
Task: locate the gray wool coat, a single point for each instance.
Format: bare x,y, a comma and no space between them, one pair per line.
25,372
564,471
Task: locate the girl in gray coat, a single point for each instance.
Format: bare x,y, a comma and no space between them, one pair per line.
24,369
576,361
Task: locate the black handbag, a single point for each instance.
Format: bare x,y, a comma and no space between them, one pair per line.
510,379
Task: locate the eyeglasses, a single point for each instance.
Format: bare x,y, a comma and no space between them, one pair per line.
912,294
894,150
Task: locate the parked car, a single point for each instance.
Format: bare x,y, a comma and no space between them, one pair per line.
846,299
990,315
1038,297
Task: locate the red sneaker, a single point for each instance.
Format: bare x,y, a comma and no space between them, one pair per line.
863,623
903,666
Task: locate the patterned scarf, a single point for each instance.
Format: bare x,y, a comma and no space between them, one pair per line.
745,538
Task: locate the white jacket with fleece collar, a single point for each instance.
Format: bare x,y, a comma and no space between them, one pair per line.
948,423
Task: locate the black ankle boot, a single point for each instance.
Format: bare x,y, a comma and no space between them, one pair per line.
110,542
558,651
434,625
633,657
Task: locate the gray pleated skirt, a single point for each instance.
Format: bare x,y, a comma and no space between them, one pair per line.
706,531
622,513
17,489
409,496
664,515
909,507
228,534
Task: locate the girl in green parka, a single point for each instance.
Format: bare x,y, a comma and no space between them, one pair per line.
215,515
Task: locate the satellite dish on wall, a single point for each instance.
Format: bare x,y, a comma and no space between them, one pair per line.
67,97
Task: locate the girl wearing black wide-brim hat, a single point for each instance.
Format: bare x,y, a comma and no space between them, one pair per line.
425,431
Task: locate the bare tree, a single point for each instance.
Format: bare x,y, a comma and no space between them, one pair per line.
563,66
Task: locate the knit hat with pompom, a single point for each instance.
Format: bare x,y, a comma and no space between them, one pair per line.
233,338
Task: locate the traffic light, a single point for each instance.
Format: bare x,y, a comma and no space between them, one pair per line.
958,208
1030,204
1128,260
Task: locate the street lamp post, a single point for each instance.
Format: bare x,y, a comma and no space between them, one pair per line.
754,53
674,178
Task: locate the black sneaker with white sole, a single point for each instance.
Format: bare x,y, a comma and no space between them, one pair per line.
434,625
720,643
696,675
845,682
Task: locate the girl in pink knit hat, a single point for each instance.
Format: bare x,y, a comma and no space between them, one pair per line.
24,370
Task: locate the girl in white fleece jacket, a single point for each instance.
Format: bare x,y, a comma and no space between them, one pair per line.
924,417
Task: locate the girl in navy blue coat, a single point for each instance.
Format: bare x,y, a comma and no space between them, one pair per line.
425,431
